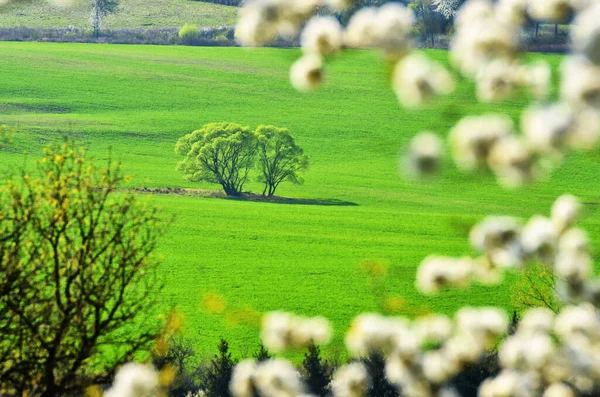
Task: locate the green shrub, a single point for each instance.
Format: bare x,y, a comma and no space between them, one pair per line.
189,33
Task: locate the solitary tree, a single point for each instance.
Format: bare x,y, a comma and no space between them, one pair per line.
279,158
317,371
77,280
100,10
215,381
220,153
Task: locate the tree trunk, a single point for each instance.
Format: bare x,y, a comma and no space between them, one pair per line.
537,29
556,31
229,191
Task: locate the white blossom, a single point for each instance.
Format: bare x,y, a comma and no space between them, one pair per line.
242,379
322,36
418,79
574,267
513,162
424,155
433,328
307,73
134,380
574,241
507,383
497,80
526,351
585,33
547,127
556,11
512,11
540,238
351,380
580,82
577,320
437,272
282,331
499,237
481,38
473,137
536,320
278,378
484,325
373,332
565,212
386,28
558,390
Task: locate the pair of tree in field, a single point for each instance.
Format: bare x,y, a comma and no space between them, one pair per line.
225,153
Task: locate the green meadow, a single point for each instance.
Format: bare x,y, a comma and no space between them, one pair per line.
262,256
132,14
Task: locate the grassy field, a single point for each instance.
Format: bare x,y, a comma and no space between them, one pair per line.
132,14
264,256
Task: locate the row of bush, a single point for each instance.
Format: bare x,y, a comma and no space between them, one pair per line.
221,36
211,377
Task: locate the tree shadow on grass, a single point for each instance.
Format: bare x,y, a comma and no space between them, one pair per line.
244,197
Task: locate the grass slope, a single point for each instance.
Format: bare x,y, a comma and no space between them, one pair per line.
132,14
265,256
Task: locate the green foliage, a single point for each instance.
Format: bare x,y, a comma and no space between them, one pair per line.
263,255
317,371
220,153
216,378
77,279
189,33
279,158
536,287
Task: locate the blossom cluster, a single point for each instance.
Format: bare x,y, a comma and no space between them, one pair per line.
135,380
504,242
271,378
283,331
388,28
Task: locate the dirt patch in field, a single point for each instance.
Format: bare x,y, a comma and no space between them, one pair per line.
244,197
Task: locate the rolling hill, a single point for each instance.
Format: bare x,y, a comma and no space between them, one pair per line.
260,256
133,14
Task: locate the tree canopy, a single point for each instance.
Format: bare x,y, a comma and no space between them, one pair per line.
220,153
279,157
